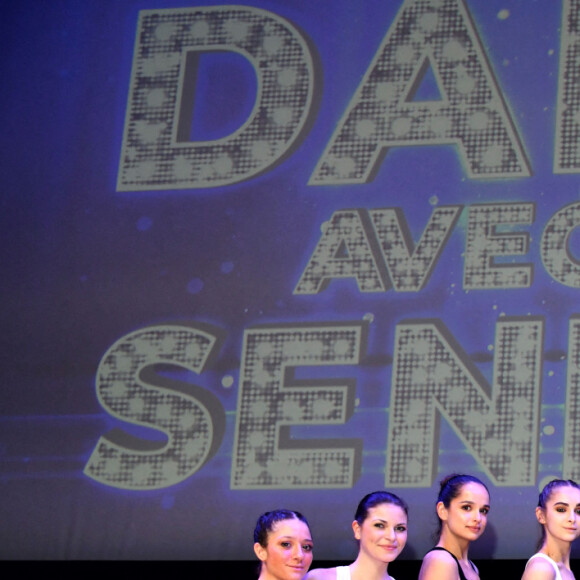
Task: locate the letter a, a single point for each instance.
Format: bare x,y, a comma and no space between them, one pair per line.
347,249
471,113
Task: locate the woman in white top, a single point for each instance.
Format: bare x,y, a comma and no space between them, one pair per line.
380,526
558,512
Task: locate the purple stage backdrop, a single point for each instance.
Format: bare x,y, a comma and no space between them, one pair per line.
283,254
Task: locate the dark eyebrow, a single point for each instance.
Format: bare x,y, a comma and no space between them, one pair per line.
293,538
468,502
386,522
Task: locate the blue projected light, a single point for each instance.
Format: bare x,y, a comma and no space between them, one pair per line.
282,255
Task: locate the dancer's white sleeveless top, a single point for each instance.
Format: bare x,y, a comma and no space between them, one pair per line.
343,573
548,559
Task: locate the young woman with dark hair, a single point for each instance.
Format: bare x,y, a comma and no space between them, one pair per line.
283,544
462,508
558,513
380,526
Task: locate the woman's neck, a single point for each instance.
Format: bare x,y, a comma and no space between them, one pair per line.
366,568
457,546
557,550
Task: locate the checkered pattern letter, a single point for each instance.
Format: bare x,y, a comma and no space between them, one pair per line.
152,156
383,113
484,244
346,249
130,390
558,261
571,467
567,155
272,399
433,378
409,267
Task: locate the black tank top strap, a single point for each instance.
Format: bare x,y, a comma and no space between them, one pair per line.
459,569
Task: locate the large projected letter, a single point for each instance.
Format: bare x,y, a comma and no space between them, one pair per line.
347,249
484,243
567,154
571,467
556,256
471,114
409,267
153,157
130,389
433,377
271,400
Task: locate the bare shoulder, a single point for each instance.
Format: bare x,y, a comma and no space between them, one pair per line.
321,574
539,569
438,565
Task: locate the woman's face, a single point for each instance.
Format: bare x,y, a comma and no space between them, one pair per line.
561,516
288,554
383,534
466,516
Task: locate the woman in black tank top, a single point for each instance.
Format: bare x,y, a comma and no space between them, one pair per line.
462,508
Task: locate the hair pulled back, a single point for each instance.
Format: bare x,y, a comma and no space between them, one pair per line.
376,498
545,495
450,488
268,520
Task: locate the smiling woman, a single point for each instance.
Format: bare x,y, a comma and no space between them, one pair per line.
462,508
558,512
283,544
380,526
